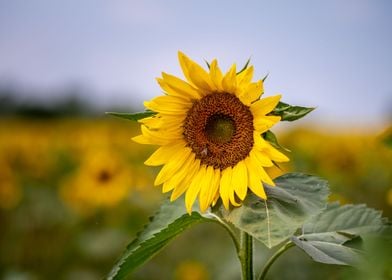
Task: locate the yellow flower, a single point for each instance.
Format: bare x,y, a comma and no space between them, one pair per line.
191,270
209,131
10,192
389,197
102,181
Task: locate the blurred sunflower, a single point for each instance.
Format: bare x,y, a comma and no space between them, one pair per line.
209,132
102,181
191,270
10,192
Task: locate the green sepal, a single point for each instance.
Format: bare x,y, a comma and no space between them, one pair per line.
208,64
245,66
271,138
132,116
290,113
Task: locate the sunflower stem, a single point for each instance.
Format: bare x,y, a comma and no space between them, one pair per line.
245,255
273,258
231,232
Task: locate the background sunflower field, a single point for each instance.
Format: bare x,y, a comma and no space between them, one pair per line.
74,191
73,188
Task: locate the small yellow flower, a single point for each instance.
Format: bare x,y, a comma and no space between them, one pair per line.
10,192
389,197
209,131
191,270
102,181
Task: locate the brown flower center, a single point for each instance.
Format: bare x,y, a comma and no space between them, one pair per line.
104,176
219,129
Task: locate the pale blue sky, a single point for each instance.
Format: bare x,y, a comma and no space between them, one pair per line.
335,55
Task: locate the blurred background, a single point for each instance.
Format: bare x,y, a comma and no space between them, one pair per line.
73,187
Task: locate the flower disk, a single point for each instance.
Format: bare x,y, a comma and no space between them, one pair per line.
209,131
219,129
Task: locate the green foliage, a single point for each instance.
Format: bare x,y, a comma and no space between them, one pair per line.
325,236
339,224
387,137
329,253
169,222
271,137
296,198
132,116
290,113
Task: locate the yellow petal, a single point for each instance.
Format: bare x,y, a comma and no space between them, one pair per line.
163,154
163,121
151,122
229,82
160,137
141,139
194,73
215,191
266,148
254,182
216,196
264,123
251,93
184,185
201,79
177,87
240,179
233,199
174,181
207,189
225,186
156,137
263,159
265,177
259,170
194,188
185,64
170,168
275,155
216,75
169,105
245,77
208,195
264,105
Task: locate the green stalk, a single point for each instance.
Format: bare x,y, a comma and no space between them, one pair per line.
273,258
245,255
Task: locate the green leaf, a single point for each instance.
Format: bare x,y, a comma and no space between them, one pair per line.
296,198
290,113
329,253
338,224
325,236
169,222
132,116
271,137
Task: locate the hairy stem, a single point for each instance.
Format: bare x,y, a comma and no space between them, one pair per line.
245,255
273,258
229,229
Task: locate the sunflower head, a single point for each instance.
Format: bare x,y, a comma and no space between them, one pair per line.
209,131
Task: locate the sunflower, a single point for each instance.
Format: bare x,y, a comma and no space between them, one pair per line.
102,181
209,129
